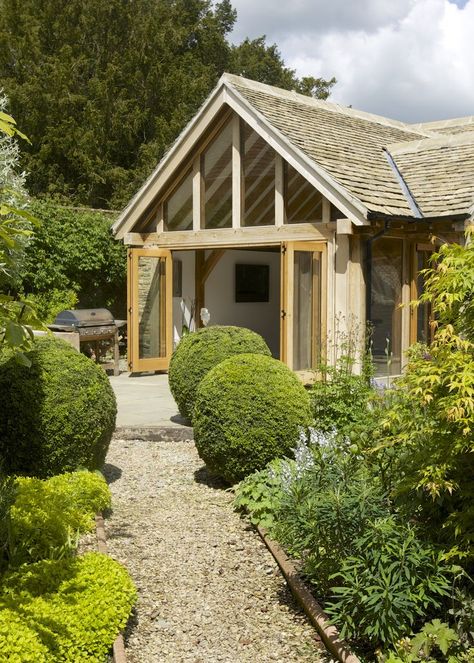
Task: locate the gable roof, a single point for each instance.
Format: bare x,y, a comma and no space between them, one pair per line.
341,151
439,172
454,126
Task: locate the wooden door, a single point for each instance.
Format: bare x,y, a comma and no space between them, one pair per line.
303,304
150,319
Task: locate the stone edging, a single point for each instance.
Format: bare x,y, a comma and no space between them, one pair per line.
118,648
315,613
155,433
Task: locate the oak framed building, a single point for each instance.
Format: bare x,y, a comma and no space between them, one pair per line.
293,217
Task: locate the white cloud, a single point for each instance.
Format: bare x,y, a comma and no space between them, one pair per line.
414,64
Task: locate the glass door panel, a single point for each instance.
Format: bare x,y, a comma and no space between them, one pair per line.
421,316
307,309
302,323
150,302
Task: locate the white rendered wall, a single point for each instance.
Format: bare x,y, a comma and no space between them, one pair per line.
262,317
182,305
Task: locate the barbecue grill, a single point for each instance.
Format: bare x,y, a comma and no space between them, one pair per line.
93,325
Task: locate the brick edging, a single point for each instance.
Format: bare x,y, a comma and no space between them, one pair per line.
313,610
118,649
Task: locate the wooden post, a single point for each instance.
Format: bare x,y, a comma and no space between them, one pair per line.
236,174
279,191
199,285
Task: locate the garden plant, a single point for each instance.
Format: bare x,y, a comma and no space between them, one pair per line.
249,409
200,351
376,501
58,413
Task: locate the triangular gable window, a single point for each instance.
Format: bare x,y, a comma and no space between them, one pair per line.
211,175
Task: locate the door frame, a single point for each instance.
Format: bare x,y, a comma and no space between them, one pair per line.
135,363
287,320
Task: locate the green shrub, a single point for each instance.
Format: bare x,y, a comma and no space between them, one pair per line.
64,610
200,351
249,409
260,493
57,415
340,400
392,580
47,516
325,509
73,250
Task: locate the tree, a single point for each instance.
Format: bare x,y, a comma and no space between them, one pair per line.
15,315
103,88
432,417
254,59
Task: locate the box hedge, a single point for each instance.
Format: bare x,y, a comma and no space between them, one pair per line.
64,610
249,410
200,351
57,415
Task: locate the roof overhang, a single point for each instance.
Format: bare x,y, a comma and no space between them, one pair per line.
225,95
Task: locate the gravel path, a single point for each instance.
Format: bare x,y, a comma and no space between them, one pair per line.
209,590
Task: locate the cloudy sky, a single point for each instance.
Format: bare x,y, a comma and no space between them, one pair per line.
412,60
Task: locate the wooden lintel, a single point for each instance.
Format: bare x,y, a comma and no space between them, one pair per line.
210,263
231,237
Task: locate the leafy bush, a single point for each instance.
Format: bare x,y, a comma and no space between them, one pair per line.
47,516
49,304
326,508
64,610
249,409
340,400
73,250
436,641
431,420
200,351
57,415
260,493
392,580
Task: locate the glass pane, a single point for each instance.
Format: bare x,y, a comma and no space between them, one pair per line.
385,300
151,307
423,311
307,310
217,179
258,165
178,208
303,202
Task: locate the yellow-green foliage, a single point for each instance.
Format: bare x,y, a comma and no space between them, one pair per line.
432,416
48,515
67,610
249,410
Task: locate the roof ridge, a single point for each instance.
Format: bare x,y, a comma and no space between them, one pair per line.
234,79
437,142
442,124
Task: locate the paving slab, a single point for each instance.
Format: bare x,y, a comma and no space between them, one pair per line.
145,405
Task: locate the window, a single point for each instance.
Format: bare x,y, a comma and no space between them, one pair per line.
178,208
303,202
216,167
385,298
258,166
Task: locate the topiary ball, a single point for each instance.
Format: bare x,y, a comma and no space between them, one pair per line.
57,415
200,351
249,410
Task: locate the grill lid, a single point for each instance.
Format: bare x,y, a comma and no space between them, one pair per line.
85,317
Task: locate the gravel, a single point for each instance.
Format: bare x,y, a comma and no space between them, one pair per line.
209,590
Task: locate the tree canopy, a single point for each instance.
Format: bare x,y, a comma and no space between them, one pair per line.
103,88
